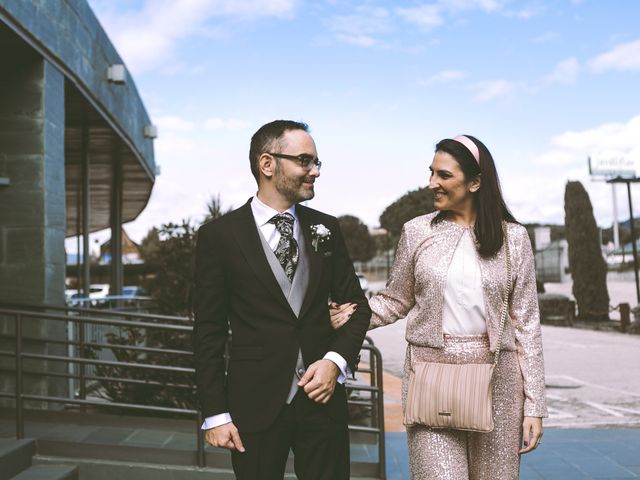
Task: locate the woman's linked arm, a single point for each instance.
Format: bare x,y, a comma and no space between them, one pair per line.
525,314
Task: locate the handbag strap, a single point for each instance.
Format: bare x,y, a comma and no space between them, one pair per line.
505,301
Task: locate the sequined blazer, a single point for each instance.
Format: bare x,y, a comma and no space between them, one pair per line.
415,290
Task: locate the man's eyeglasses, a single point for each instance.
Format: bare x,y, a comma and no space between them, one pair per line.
307,162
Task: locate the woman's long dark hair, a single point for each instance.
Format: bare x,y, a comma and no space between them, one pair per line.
490,206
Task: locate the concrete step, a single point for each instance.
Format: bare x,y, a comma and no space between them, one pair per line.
15,456
48,472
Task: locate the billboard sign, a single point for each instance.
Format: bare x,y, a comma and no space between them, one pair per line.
612,165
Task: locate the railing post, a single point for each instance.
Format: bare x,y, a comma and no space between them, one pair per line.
373,379
381,441
200,441
625,316
82,392
19,411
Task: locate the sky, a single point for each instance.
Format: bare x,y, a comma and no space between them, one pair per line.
544,84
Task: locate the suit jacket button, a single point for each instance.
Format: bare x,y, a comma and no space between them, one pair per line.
300,372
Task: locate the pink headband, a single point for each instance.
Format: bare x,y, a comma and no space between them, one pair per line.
471,146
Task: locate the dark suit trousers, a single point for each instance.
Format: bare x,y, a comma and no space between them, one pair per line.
319,442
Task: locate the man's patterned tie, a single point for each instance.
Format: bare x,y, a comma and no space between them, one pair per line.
287,249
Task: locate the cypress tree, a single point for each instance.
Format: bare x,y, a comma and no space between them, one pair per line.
587,265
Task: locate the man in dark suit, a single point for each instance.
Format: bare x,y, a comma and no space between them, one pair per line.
266,271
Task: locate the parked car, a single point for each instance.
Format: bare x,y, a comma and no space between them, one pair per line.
98,293
133,291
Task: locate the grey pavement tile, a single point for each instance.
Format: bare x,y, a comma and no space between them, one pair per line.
575,452
627,456
181,441
361,453
108,435
51,431
556,470
147,438
602,467
397,456
527,473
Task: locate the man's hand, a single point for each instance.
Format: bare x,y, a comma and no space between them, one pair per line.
319,381
224,436
531,434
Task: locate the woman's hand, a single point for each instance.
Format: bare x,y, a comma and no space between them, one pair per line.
531,434
340,314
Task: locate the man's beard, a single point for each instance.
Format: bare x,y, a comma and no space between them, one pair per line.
291,187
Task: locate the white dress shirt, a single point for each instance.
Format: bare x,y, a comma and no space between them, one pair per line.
262,213
463,312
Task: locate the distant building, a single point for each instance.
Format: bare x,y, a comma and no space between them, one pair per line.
552,262
130,251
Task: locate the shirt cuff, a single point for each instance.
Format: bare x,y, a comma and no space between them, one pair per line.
336,358
216,421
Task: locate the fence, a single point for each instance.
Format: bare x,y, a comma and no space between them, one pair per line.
86,353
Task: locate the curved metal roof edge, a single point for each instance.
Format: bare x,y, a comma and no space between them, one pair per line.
85,44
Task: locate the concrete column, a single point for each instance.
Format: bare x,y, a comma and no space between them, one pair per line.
32,207
116,226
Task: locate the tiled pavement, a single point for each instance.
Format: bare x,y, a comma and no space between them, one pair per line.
566,454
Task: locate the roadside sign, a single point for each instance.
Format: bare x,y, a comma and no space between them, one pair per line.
612,165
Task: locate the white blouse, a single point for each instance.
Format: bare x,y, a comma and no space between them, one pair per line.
463,312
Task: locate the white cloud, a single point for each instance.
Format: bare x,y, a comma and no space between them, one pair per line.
609,136
523,13
173,123
426,16
431,15
565,73
624,57
485,5
443,76
495,89
367,23
146,37
363,27
538,194
225,124
546,37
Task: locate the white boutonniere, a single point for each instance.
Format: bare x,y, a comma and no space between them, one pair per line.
319,234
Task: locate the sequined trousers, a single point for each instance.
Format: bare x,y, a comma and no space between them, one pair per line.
444,454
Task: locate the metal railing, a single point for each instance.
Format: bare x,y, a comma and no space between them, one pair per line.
79,355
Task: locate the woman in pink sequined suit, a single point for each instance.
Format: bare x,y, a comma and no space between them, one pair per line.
448,280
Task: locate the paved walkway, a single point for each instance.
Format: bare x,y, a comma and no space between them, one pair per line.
566,454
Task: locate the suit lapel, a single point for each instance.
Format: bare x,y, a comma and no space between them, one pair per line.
315,259
246,234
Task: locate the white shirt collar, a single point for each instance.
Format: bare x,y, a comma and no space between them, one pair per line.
263,212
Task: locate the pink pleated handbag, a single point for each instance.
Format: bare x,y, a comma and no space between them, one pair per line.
443,395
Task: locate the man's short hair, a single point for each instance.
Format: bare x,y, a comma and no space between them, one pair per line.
267,139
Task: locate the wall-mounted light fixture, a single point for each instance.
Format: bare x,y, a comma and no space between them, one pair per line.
116,73
4,181
151,131
158,170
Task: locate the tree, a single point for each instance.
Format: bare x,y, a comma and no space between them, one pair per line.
360,243
149,245
171,251
170,248
412,204
214,209
587,265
